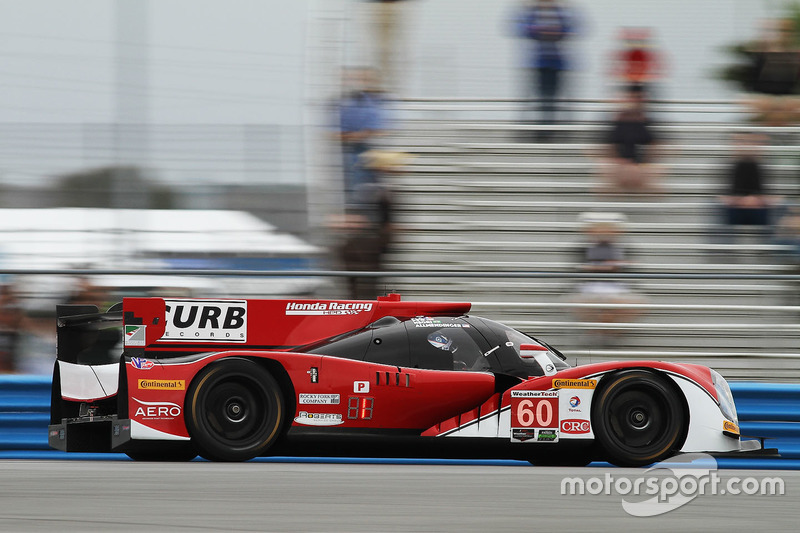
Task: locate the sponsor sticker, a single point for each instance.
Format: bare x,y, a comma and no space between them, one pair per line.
318,419
575,426
361,386
318,399
142,363
425,322
730,427
162,384
534,394
156,410
547,435
327,308
574,383
313,372
205,321
532,412
135,335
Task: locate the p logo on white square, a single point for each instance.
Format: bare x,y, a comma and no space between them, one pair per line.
361,386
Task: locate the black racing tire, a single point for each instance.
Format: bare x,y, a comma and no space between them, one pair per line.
638,418
234,410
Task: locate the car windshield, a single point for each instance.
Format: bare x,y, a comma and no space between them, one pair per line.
513,361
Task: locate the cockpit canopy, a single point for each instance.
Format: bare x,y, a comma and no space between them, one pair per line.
444,343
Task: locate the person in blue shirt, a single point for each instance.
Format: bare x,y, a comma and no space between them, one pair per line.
547,24
361,118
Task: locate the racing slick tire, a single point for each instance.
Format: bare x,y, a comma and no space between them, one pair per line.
638,418
234,410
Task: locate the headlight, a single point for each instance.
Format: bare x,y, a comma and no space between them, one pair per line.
726,404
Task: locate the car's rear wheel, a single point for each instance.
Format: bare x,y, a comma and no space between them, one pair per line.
638,418
234,410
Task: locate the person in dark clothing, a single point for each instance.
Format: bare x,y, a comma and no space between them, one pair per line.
630,140
776,75
746,201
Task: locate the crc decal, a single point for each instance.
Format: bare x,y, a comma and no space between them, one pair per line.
318,399
318,419
156,410
574,426
327,308
135,336
574,383
361,387
205,321
162,384
730,427
142,363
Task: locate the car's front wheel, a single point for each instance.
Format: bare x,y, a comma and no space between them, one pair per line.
638,418
234,410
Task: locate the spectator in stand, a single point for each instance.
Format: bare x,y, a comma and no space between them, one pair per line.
638,61
361,119
368,227
605,301
776,75
746,201
10,323
628,164
787,233
547,24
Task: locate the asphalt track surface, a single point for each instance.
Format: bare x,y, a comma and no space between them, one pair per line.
201,496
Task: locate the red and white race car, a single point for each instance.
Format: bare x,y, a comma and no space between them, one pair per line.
235,379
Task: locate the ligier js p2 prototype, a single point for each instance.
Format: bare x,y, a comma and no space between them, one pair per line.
231,380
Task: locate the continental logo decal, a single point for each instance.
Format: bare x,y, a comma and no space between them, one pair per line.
162,384
730,427
574,383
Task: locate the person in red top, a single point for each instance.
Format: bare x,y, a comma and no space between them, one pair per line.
638,61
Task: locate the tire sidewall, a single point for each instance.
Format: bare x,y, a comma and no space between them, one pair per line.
673,430
208,442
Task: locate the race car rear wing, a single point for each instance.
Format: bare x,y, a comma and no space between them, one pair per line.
88,349
87,337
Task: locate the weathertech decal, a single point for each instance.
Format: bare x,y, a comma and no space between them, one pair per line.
327,308
574,383
318,419
205,321
162,384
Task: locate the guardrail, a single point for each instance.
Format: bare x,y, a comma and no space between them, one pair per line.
766,410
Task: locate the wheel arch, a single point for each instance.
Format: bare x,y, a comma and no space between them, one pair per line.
276,369
667,377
